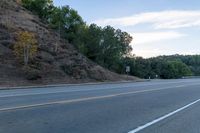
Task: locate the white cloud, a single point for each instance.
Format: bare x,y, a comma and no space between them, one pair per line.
149,37
148,53
160,20
143,39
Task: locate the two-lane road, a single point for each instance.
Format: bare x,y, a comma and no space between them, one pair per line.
162,106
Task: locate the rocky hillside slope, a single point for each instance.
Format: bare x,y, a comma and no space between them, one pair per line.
66,65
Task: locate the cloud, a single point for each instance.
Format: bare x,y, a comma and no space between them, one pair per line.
149,37
171,19
143,39
148,53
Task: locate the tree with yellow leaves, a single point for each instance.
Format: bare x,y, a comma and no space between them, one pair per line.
19,1
26,46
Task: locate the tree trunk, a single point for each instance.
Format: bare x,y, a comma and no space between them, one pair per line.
26,55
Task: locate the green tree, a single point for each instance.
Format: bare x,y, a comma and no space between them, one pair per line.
67,21
114,45
40,7
106,46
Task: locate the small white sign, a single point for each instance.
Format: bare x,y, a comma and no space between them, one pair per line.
128,69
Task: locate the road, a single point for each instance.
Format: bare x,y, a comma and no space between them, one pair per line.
160,106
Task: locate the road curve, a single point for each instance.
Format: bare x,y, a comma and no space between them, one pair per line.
160,106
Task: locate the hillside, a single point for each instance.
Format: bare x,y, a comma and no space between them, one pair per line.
66,65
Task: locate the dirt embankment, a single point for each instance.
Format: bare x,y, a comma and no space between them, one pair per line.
64,65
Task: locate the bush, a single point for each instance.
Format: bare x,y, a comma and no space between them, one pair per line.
31,74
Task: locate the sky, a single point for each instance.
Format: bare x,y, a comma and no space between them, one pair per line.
158,27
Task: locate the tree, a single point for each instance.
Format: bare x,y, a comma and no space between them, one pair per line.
19,1
67,21
105,46
40,7
26,46
113,47
93,40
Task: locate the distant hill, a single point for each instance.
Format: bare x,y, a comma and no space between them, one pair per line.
66,65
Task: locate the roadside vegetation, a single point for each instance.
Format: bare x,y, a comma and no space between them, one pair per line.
164,67
107,46
26,46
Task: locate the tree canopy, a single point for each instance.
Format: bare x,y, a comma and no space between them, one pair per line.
40,7
158,67
26,46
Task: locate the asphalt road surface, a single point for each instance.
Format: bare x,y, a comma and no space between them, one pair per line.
160,106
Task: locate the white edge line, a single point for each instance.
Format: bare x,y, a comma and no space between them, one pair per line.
163,117
86,99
